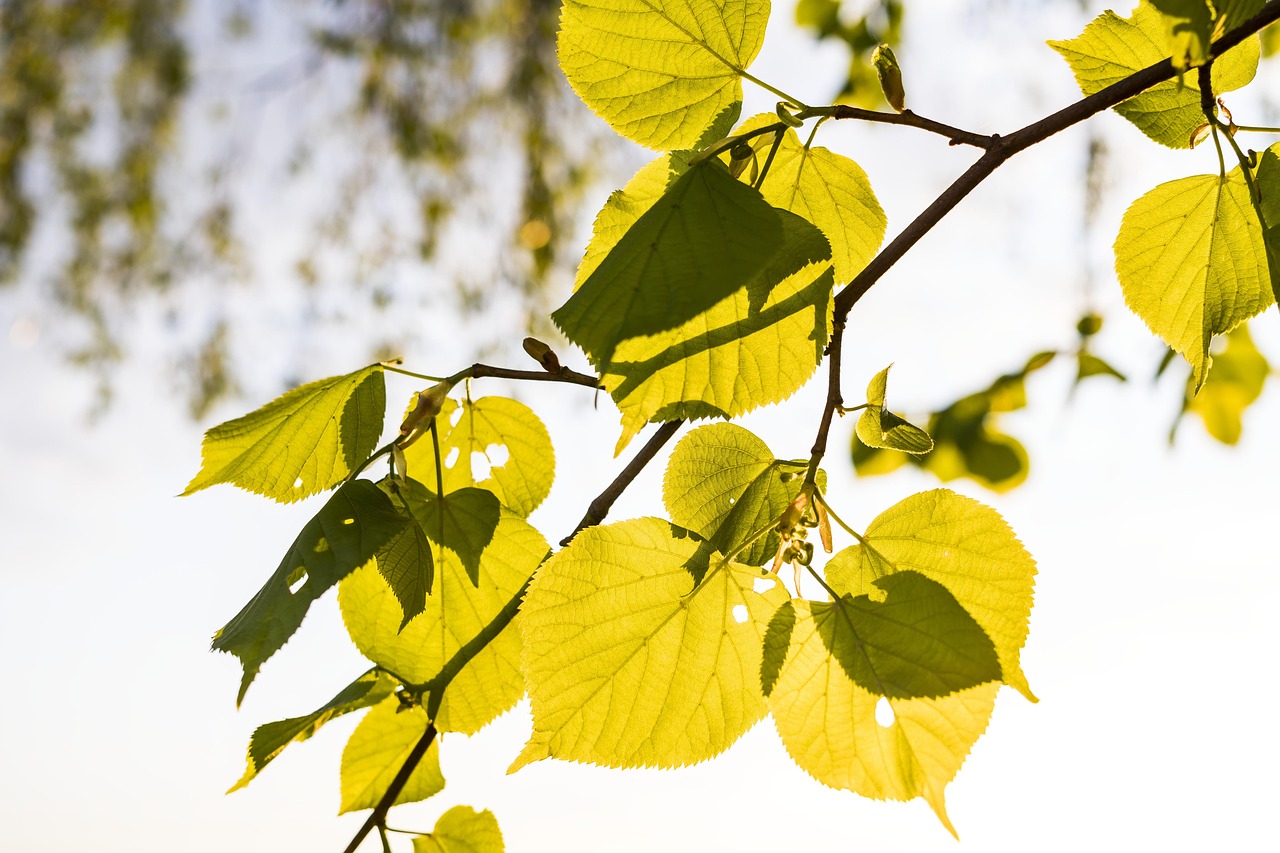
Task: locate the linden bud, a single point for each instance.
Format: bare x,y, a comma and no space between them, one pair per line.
890,74
542,354
429,404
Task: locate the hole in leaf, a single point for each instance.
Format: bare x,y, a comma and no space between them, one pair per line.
884,712
762,585
451,458
348,521
297,484
740,613
479,466
732,501
455,416
498,455
296,579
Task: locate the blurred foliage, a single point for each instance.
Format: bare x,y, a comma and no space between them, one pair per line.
132,147
862,27
1239,373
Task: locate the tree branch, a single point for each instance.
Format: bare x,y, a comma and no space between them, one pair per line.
906,118
998,150
564,374
378,817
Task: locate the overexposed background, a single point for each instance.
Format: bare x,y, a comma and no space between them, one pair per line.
1151,639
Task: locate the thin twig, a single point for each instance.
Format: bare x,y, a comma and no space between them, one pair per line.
564,374
604,501
906,118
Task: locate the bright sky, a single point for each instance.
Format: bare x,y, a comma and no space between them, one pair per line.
1154,621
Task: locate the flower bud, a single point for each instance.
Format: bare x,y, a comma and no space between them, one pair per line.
890,74
542,354
429,404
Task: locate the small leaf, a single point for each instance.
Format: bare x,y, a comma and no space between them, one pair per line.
1088,364
406,564
509,437
723,483
1111,48
304,442
1192,262
462,829
705,238
378,749
880,428
270,739
660,71
642,649
349,529
453,615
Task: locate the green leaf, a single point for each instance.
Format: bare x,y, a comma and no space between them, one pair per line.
462,521
705,238
304,442
660,71
961,544
1112,48
270,739
1088,364
1267,179
723,483
1192,24
342,536
1192,262
828,724
1239,373
454,614
830,191
642,648
881,428
378,749
462,829
406,564
513,441
912,640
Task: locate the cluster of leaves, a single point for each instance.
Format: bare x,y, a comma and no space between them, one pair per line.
707,290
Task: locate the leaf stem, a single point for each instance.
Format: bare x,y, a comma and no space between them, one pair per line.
392,366
790,99
768,161
1248,128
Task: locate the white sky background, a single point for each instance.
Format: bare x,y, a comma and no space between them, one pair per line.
1151,639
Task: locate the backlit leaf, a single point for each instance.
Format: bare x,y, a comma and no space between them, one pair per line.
963,545
630,660
270,739
705,238
1112,48
660,71
304,442
1192,24
406,564
514,445
455,612
827,189
881,428
1267,179
1192,262
1239,373
723,483
1088,364
462,829
378,749
342,536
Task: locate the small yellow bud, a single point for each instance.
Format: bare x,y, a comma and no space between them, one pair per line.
890,74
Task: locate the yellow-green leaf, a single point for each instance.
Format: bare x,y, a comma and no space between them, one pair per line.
1192,24
878,427
705,238
1112,48
342,536
660,71
1192,262
462,829
455,612
723,483
270,739
1267,179
963,545
642,648
829,725
1239,373
378,749
304,442
511,439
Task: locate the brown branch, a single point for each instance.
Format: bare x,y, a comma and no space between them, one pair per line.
564,374
906,118
834,402
604,501
998,151
379,816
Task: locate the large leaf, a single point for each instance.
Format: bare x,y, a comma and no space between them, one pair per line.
642,648
270,739
304,442
462,829
705,238
1192,262
454,614
378,749
828,723
508,435
723,483
963,545
342,536
660,71
827,189
1112,48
